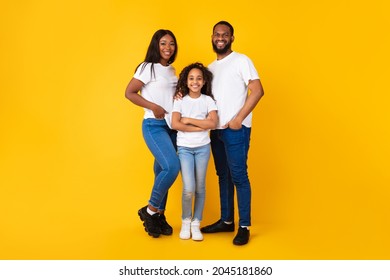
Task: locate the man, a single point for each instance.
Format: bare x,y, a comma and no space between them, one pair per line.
234,74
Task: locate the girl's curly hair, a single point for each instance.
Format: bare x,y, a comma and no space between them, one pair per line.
207,77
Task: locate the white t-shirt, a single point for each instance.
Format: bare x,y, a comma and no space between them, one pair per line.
158,88
196,108
230,86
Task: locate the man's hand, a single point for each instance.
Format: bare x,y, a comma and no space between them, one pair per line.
234,124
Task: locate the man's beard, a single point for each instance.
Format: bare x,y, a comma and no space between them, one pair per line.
222,51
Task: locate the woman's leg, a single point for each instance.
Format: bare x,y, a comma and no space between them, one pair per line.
157,137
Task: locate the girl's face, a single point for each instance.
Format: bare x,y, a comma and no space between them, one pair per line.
195,80
167,48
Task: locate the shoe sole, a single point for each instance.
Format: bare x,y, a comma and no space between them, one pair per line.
216,231
153,234
185,237
239,243
197,239
166,232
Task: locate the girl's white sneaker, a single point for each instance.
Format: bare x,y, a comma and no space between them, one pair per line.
195,231
185,232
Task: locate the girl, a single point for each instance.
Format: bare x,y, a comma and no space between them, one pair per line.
193,116
156,80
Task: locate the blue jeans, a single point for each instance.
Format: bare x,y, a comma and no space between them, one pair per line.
230,151
161,141
193,163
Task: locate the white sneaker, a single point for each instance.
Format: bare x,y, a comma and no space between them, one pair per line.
195,231
185,232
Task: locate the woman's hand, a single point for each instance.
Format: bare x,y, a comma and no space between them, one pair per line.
158,111
178,96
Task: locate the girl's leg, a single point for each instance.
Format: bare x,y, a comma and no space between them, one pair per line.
202,156
187,164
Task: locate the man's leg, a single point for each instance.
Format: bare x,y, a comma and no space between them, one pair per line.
237,147
226,187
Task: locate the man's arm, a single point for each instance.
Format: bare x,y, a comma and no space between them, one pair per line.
256,93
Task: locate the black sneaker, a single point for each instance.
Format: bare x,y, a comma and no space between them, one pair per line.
166,229
242,236
151,222
219,226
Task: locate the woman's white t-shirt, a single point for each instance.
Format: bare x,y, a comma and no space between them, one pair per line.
196,108
159,87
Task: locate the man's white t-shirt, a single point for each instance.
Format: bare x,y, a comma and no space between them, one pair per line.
159,87
231,76
196,108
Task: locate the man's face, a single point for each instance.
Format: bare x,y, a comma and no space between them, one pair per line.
222,39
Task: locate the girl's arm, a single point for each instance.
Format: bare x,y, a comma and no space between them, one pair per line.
177,124
131,93
210,122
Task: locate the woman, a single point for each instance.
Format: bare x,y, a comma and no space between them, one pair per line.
156,80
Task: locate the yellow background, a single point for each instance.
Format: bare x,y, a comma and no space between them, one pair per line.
74,169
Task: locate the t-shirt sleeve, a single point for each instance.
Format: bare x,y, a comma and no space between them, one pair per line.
143,73
248,70
211,105
177,106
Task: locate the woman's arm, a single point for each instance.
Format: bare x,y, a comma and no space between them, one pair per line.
177,124
131,93
210,122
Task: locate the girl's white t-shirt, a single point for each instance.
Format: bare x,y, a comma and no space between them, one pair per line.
196,108
159,87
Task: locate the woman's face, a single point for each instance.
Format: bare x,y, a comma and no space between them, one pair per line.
167,48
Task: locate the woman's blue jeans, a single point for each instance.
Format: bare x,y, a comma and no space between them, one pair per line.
230,151
161,141
193,163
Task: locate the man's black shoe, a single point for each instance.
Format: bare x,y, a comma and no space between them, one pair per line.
151,222
242,236
219,226
166,229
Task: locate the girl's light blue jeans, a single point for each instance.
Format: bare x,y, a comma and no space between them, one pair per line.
161,141
193,163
